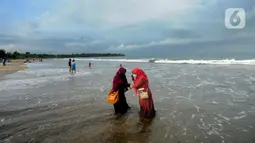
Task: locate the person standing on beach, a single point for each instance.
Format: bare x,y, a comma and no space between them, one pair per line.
121,85
4,61
70,65
73,66
141,87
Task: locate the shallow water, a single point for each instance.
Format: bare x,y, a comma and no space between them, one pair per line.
194,103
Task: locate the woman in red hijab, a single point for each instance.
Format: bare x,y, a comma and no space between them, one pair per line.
120,84
141,87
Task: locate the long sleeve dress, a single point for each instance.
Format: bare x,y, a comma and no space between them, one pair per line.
147,109
121,106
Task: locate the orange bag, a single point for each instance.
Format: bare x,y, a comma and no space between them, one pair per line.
113,97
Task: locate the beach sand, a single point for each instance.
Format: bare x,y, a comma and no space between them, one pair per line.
11,67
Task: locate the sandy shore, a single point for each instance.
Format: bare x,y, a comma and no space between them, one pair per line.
11,67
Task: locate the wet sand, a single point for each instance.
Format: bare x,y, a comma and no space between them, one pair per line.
12,67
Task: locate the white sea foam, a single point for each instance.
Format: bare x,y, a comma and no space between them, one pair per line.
34,78
37,64
214,102
216,62
197,107
166,61
239,117
230,103
29,82
241,113
43,72
226,118
113,60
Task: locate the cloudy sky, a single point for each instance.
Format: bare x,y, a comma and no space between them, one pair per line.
154,27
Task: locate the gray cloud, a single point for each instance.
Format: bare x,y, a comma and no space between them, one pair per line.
223,48
197,29
180,33
53,45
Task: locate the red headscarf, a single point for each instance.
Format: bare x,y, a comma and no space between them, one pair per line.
139,73
118,79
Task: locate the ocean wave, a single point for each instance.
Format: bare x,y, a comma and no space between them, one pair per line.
37,64
212,62
166,61
112,60
36,81
45,72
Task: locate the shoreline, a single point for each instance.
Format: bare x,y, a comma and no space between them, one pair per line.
12,67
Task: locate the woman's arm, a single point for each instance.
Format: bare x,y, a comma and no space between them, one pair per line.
115,87
139,83
127,85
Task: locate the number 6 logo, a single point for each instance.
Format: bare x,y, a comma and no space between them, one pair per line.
235,18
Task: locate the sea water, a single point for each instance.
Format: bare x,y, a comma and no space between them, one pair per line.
196,101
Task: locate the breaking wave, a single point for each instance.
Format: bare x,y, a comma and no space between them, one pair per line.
166,61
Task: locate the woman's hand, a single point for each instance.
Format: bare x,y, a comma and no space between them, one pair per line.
132,77
125,90
131,86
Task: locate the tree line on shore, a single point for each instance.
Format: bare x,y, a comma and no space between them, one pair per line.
17,55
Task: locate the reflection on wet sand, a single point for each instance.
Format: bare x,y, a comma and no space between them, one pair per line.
121,131
118,129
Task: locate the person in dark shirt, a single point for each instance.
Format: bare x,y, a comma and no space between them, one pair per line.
70,65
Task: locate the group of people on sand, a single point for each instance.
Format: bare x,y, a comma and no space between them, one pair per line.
141,88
